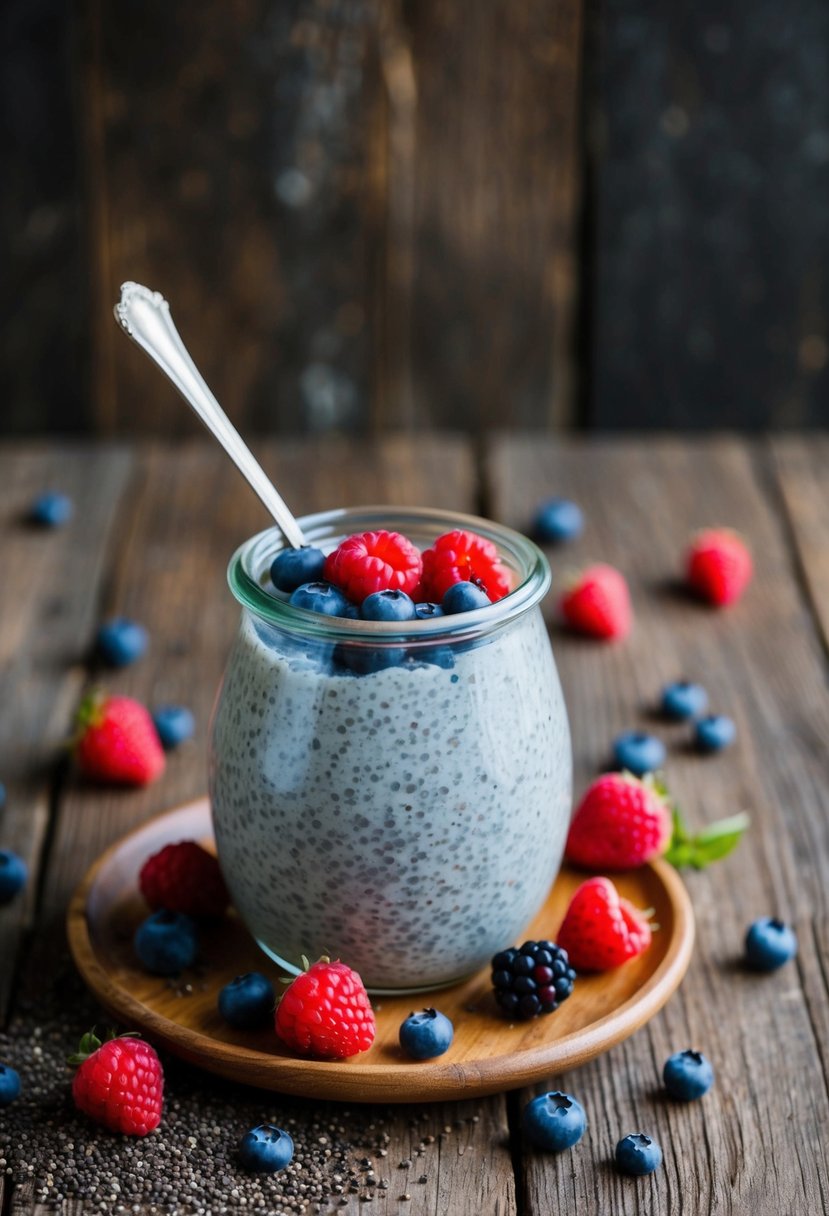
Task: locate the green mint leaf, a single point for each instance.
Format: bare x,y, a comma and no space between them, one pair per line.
713,843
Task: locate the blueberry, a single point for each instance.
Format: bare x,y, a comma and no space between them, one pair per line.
2,795
266,1149
687,1075
426,1034
13,875
293,567
363,660
638,1154
248,1001
174,723
388,605
121,642
639,753
682,700
321,597
558,520
51,510
554,1121
464,597
426,611
769,944
9,1084
715,733
435,656
166,942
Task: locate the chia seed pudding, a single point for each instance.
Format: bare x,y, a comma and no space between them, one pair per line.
408,819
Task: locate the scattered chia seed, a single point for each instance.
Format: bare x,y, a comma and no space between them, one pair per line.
189,1164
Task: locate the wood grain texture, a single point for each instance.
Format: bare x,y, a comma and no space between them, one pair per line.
482,191
754,1143
708,158
363,213
43,279
51,583
227,163
800,468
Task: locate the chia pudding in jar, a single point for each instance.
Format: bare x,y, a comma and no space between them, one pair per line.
394,794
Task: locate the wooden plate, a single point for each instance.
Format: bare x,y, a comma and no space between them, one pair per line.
488,1054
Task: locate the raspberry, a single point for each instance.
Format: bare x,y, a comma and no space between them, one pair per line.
533,979
462,557
718,566
620,823
184,877
117,742
374,561
119,1083
601,930
598,603
325,1012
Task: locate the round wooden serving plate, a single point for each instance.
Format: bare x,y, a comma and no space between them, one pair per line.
488,1053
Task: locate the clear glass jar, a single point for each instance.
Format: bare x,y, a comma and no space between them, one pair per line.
395,795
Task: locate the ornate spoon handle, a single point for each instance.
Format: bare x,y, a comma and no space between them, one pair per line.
145,316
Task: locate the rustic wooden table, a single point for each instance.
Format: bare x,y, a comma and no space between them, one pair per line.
151,535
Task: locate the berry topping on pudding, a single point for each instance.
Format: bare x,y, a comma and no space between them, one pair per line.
374,561
463,557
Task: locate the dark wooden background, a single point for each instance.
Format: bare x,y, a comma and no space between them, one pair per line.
409,213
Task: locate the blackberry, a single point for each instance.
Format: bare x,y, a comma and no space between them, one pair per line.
531,979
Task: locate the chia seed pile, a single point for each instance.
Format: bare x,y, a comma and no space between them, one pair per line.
188,1166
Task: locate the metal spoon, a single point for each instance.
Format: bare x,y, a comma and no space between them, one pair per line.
145,316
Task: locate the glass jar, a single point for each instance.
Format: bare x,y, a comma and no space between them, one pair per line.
396,795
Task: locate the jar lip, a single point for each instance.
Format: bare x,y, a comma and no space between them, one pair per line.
250,565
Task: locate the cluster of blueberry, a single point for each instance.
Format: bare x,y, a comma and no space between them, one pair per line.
557,1121
639,752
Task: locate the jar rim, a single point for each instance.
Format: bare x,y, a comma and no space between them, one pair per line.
249,567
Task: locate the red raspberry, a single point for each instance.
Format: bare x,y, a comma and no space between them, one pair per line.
374,561
184,877
598,603
116,741
462,557
718,566
601,930
119,1083
325,1012
620,823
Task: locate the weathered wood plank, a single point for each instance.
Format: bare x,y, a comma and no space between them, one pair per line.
51,583
362,212
800,466
226,156
755,1142
186,512
482,190
706,299
44,277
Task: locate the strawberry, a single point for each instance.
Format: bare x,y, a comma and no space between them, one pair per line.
718,566
598,603
621,822
325,1012
462,557
374,561
117,742
601,930
184,877
119,1083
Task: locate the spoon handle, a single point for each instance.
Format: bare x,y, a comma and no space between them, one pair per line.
145,316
